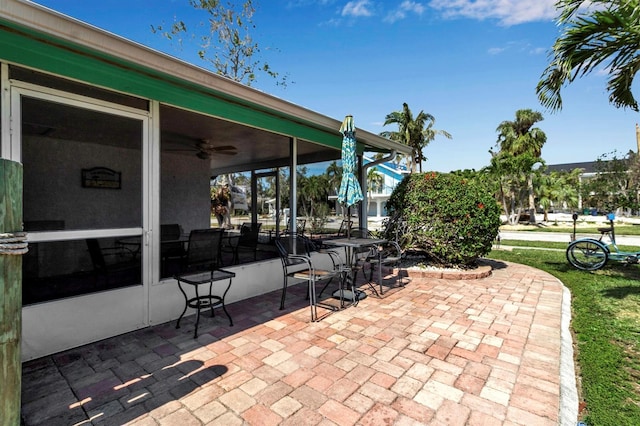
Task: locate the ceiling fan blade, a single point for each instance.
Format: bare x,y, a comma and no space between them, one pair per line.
224,148
210,146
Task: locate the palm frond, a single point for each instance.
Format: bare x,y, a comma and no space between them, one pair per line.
604,35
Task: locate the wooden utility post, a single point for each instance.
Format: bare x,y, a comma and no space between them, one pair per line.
12,246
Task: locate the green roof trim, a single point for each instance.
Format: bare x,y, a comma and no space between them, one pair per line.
34,49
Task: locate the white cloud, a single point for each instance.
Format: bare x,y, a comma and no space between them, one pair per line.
406,7
517,46
357,8
508,12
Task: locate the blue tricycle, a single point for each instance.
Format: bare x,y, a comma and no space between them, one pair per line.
589,254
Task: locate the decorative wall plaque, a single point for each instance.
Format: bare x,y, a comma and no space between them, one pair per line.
101,177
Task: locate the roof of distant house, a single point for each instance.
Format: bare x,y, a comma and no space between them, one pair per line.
587,167
393,170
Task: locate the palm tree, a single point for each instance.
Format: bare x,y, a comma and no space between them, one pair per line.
548,187
569,193
334,176
605,35
374,182
412,132
510,174
520,138
557,188
312,189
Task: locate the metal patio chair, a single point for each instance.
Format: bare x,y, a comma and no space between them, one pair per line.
295,253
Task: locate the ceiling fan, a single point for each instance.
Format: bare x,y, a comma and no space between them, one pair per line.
204,148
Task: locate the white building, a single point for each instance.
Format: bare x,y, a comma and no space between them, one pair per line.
377,197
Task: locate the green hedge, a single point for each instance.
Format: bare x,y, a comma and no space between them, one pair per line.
451,219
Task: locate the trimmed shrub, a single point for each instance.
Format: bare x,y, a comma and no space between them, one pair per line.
452,220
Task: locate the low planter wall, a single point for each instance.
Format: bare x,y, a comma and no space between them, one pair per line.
482,271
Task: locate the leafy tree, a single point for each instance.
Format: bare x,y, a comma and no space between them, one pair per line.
312,190
226,43
558,188
518,138
334,177
240,179
598,34
615,184
568,192
375,182
415,132
511,176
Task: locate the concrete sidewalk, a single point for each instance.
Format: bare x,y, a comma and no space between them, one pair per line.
629,240
492,351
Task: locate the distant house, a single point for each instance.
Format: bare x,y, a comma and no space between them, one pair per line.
376,197
392,174
589,170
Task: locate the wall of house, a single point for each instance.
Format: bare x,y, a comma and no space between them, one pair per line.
184,185
55,192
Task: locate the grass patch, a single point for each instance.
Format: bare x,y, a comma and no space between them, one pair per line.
606,323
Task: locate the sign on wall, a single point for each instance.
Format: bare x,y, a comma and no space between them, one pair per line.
101,177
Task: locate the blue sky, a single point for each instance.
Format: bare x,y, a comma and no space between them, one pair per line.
469,63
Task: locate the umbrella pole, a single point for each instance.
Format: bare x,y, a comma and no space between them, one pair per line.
348,214
347,222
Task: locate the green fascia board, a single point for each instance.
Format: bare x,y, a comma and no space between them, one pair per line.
24,46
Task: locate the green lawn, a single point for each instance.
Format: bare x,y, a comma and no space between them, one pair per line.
606,323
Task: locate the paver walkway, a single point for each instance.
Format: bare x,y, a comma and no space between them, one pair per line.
437,352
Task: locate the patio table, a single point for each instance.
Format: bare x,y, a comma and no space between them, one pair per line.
208,300
352,247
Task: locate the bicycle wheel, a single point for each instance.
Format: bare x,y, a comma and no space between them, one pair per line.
587,255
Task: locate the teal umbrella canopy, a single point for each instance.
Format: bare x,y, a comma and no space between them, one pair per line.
350,191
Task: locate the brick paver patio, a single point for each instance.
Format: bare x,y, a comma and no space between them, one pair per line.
437,352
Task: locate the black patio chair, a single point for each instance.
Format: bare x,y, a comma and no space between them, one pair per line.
301,226
247,242
203,250
345,228
388,254
295,253
115,265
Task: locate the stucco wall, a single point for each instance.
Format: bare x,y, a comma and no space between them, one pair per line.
55,192
184,185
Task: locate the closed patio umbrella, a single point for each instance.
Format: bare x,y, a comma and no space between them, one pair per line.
350,191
